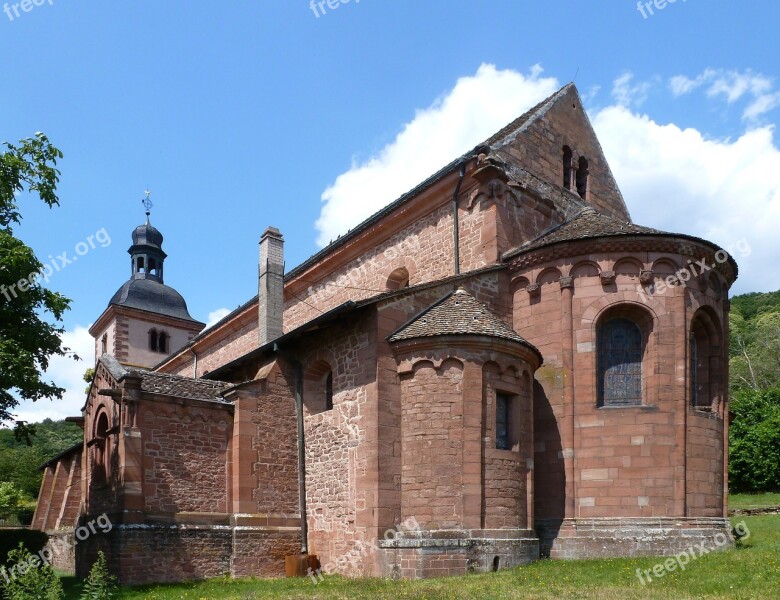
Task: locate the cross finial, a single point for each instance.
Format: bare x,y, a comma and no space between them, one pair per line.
147,202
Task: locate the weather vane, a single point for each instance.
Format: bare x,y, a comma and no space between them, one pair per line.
147,202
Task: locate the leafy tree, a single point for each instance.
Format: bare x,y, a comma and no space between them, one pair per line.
100,584
19,461
27,341
754,457
755,351
29,578
10,499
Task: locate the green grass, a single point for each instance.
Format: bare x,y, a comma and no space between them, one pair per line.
767,500
751,571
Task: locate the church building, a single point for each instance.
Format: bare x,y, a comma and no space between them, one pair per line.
500,357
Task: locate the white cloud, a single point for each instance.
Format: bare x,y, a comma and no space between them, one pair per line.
732,86
67,373
678,180
474,109
674,179
627,93
215,316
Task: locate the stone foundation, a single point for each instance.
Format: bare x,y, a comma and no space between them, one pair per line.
623,537
161,553
62,549
456,552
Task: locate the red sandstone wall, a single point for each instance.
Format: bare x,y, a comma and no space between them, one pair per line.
185,451
704,476
539,149
612,462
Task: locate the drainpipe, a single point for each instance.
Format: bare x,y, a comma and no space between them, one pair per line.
194,364
455,220
301,447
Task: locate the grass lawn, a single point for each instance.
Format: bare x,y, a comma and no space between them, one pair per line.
752,571
768,500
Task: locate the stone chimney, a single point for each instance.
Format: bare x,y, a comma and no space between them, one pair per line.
271,285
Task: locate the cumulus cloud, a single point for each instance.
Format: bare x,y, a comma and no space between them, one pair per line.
475,108
732,86
672,178
68,373
215,316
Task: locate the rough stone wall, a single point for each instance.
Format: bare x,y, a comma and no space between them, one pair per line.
185,450
341,449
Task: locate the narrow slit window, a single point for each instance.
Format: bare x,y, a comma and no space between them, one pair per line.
503,402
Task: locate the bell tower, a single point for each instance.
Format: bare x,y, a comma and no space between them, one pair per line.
145,320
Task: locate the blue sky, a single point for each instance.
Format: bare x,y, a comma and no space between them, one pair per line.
239,115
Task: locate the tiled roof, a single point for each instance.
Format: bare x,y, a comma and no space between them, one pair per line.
170,385
458,313
181,387
586,224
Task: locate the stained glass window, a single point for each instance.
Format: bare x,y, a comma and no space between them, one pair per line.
620,363
502,421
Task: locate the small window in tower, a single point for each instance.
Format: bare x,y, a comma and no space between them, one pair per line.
104,344
153,340
162,342
140,264
567,156
152,267
503,402
329,391
582,177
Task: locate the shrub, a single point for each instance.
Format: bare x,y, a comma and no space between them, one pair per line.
100,584
29,538
28,578
754,436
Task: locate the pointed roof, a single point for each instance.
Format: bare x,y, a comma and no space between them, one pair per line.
528,117
458,313
586,224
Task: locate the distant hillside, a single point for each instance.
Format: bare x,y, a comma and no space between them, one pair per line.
755,303
19,462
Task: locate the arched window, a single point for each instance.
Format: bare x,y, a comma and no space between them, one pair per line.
398,279
153,340
704,369
567,157
582,177
619,363
101,456
162,342
329,391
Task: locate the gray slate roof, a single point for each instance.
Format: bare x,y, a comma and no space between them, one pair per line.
152,296
458,313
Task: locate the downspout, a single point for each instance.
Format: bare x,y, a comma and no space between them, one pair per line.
455,220
301,458
301,447
194,364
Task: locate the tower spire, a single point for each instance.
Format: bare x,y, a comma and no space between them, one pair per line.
147,202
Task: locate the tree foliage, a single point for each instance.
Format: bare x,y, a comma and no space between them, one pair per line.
10,499
27,340
754,459
29,578
100,584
